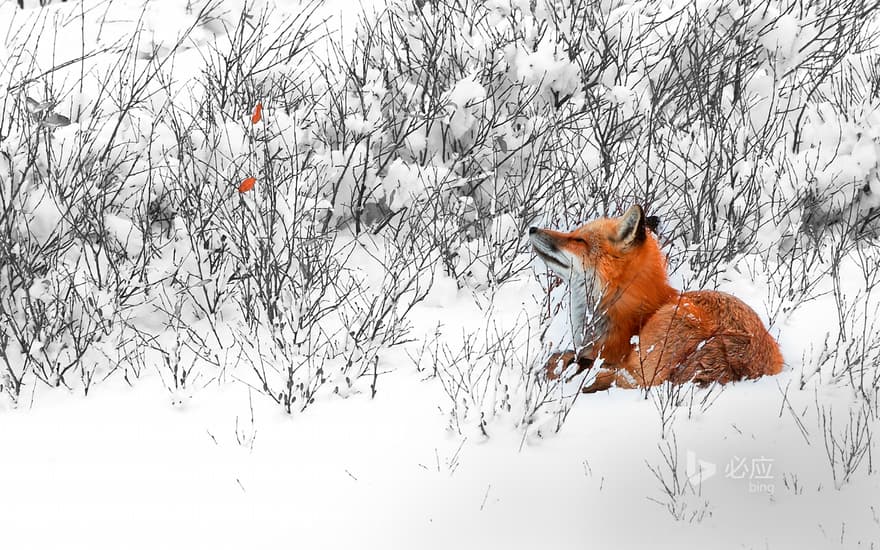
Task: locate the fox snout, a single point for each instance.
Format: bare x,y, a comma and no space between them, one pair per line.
540,240
545,246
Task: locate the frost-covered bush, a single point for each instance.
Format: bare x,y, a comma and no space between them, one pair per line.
715,115
745,126
421,150
126,236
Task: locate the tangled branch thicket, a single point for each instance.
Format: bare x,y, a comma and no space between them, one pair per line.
422,148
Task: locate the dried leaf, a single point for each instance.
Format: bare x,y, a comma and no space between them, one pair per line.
258,113
35,108
31,105
247,185
54,120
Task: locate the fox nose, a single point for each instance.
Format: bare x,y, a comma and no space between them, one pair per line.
533,230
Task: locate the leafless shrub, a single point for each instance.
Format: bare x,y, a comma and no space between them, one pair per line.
849,447
669,399
431,141
681,497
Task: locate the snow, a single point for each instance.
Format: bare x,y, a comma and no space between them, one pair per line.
465,102
226,468
125,233
124,465
241,389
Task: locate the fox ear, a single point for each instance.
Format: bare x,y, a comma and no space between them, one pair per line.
632,226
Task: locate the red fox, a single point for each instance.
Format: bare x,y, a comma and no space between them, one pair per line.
645,331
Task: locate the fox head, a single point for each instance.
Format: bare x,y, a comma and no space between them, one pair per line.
614,268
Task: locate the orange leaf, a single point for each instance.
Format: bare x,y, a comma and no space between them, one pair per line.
247,185
258,113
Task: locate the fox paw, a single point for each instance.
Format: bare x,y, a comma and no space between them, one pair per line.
558,363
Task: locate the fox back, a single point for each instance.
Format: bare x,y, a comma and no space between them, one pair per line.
617,278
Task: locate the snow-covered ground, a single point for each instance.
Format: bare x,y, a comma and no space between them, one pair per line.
228,469
199,416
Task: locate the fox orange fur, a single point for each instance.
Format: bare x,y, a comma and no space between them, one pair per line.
616,275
